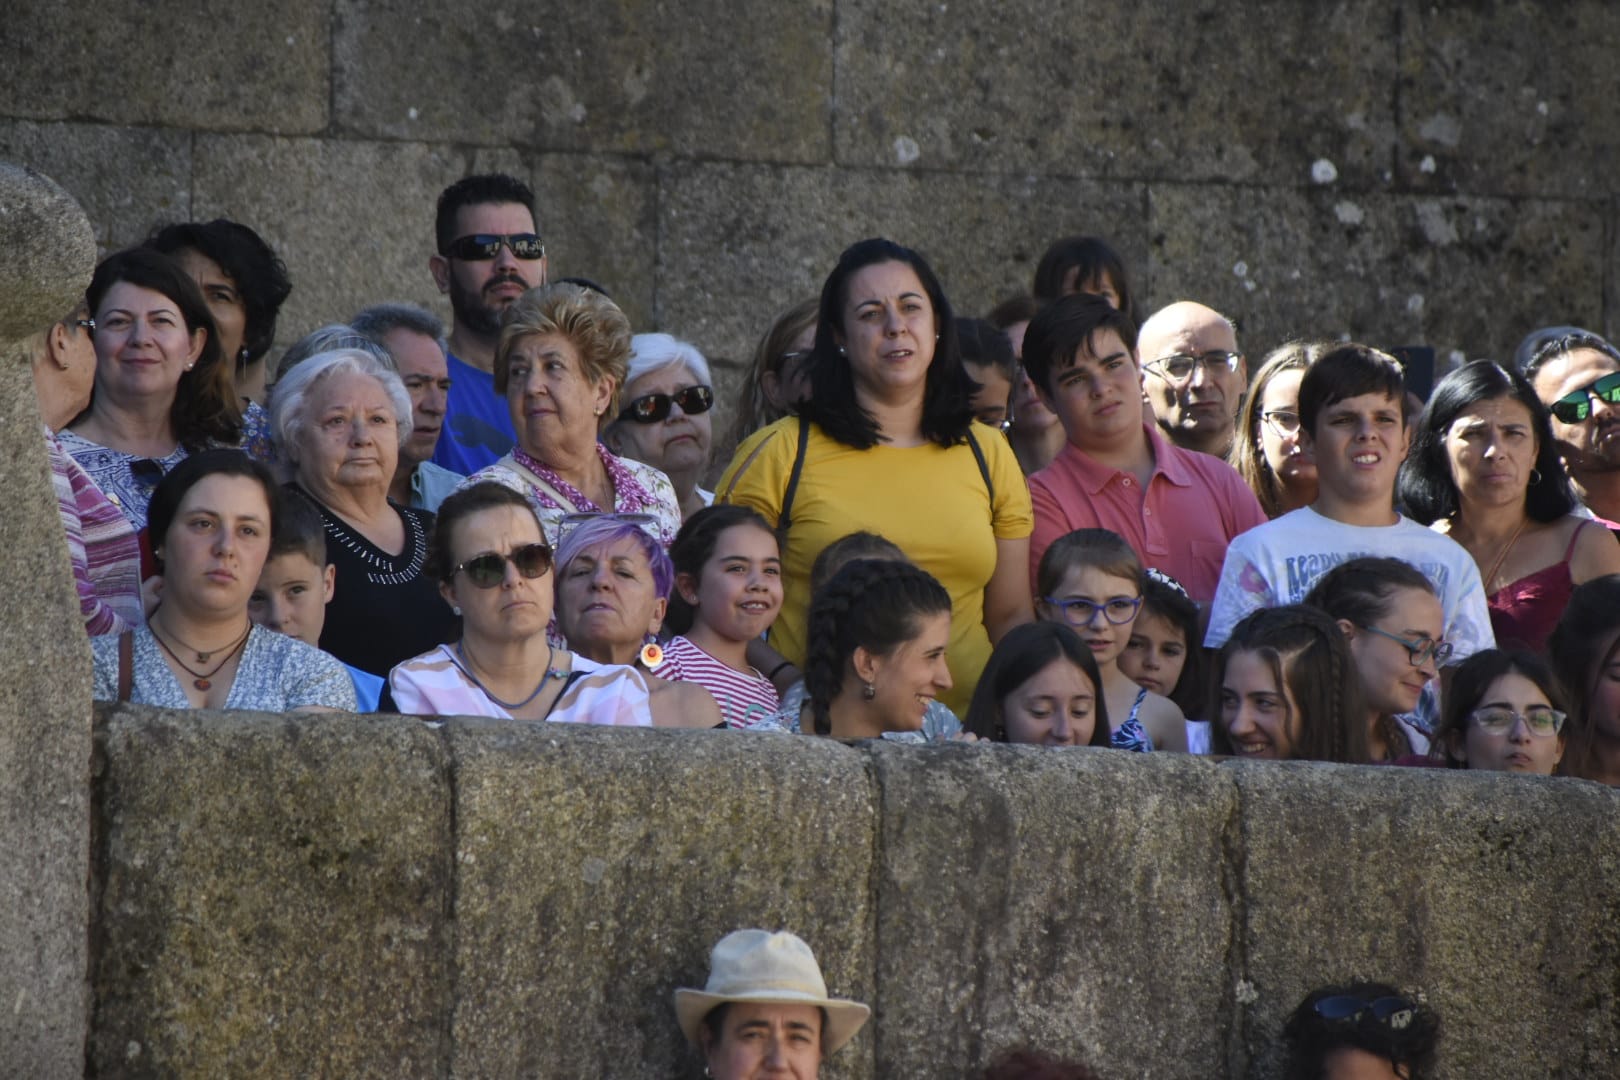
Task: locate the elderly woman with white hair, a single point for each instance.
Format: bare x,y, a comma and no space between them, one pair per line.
340,418
665,420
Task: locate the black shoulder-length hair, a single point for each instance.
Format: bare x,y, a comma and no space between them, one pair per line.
947,412
1426,487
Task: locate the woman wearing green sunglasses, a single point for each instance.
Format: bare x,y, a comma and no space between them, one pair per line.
493,566
1484,469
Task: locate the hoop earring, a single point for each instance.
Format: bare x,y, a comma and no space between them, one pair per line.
1535,476
868,691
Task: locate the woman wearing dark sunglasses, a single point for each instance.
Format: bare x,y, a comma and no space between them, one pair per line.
1484,469
561,361
665,419
1361,1031
494,568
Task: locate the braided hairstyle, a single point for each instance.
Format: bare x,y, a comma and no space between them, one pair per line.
1310,659
873,604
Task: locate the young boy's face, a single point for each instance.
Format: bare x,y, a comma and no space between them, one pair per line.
291,596
1359,444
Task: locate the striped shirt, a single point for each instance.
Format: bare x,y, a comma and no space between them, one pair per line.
102,547
744,699
434,684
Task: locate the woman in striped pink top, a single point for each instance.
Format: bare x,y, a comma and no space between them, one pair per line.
728,591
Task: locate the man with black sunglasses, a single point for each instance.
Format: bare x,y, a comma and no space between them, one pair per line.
489,252
1577,376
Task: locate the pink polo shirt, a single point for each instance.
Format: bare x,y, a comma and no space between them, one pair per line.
1194,505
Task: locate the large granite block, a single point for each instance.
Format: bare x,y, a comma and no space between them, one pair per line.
127,179
1511,99
230,67
596,868
1075,901
352,220
275,896
599,216
740,243
47,252
1253,92
752,81
1497,897
1469,276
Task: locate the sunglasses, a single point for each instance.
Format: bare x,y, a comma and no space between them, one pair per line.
1419,649
647,523
480,247
1576,405
652,408
1395,1013
489,569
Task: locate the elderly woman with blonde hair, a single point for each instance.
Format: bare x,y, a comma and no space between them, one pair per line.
561,362
340,418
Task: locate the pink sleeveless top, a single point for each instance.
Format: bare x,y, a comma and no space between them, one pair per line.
1524,613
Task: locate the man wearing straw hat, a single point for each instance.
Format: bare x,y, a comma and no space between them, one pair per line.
765,1010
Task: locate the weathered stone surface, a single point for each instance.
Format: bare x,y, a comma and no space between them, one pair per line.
599,217
752,81
1470,275
596,868
1027,897
352,220
46,255
1497,897
1512,99
127,179
275,896
256,67
740,243
1247,92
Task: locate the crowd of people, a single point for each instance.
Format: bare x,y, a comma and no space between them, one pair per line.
1068,523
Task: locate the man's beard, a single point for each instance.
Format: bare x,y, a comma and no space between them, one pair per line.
470,310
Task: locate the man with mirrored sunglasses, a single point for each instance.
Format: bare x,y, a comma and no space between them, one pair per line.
1194,376
488,253
1577,376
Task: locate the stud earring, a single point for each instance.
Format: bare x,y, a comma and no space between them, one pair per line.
454,610
868,691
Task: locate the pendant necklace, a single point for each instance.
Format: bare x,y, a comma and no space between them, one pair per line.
202,657
512,706
202,680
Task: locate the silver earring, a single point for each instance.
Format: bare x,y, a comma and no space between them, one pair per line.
841,351
454,610
868,691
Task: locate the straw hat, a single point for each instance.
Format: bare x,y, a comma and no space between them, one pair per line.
770,969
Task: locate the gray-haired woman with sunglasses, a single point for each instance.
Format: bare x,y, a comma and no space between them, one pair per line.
1485,470
493,566
665,420
561,362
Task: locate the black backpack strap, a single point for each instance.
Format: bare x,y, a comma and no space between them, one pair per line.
984,470
784,520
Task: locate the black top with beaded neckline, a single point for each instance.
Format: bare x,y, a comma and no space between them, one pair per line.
385,608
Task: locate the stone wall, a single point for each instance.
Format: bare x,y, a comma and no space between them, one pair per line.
1403,172
347,896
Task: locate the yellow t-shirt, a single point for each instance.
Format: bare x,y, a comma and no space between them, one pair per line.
929,500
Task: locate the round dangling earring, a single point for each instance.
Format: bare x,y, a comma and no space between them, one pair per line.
652,654
1535,477
868,691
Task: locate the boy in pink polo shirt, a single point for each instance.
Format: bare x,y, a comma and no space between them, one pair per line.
1177,508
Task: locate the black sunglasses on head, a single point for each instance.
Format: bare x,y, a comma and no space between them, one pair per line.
489,569
481,247
651,408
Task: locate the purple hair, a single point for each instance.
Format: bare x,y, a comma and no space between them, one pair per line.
605,530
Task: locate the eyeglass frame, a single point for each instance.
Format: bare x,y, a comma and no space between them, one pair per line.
647,523
1282,431
666,403
1066,605
1418,652
87,323
505,557
1226,358
1584,397
1559,718
500,240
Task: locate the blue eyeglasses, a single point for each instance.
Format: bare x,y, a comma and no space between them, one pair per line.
1080,614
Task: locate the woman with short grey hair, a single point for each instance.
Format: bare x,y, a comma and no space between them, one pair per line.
340,418
665,420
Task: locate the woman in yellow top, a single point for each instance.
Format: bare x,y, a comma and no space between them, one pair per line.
888,444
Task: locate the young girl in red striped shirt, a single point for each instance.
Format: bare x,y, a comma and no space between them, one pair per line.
728,591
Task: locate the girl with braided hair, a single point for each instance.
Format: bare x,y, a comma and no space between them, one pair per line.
876,656
1285,689
1391,616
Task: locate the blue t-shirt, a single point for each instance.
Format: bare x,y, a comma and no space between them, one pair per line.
477,425
367,688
